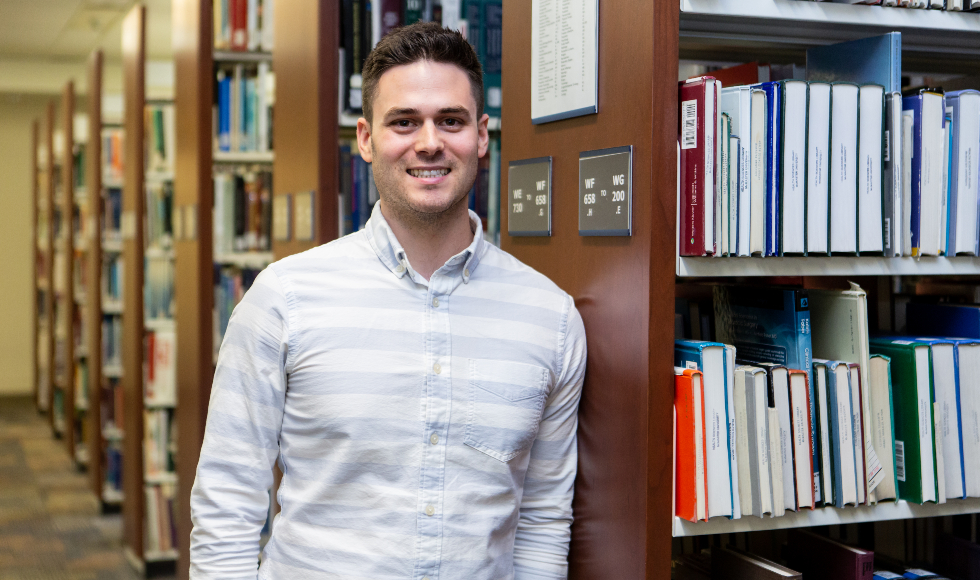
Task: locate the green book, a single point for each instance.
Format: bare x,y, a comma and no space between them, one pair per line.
414,11
912,397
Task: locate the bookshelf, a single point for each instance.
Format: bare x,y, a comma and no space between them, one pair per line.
81,253
63,409
39,275
46,346
42,268
625,287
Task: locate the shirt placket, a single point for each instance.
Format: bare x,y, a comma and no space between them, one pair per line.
438,395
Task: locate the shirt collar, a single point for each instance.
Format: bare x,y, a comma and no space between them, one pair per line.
392,254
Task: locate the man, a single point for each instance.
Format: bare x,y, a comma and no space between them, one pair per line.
418,385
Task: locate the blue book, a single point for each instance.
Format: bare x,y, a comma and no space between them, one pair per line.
963,117
843,462
927,113
875,60
919,574
769,325
773,163
493,42
961,320
224,112
885,575
709,358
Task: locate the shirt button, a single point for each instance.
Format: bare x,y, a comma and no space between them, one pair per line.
425,578
400,268
437,368
434,439
466,272
435,303
429,510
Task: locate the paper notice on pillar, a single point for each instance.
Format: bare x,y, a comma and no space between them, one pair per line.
564,59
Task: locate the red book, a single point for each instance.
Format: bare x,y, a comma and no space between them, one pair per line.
749,73
802,433
819,557
391,15
691,484
238,18
698,100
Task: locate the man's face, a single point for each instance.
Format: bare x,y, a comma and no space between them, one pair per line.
424,139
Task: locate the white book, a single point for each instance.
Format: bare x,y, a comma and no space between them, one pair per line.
940,458
926,440
944,390
779,381
857,424
724,196
799,395
871,117
843,168
908,127
268,25
845,433
943,207
721,139
756,425
882,433
794,166
969,399
732,446
736,102
734,170
775,465
818,168
263,98
252,24
747,493
931,177
893,171
716,415
955,5
823,418
964,108
757,187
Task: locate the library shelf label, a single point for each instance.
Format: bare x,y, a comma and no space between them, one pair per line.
529,207
281,210
564,59
303,216
605,192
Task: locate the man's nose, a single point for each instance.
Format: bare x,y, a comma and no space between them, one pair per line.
428,140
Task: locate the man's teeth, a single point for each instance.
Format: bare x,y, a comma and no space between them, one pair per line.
428,172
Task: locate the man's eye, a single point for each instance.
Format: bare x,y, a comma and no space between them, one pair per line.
403,123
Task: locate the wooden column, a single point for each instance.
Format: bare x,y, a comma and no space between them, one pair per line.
67,311
48,193
193,286
93,272
305,131
134,86
623,286
38,259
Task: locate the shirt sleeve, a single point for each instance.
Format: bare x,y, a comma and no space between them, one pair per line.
544,525
230,497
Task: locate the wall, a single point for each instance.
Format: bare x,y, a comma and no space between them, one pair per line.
17,112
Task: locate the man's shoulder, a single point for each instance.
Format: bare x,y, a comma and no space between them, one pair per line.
340,254
500,266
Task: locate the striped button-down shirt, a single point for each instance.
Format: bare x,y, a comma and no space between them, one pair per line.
425,428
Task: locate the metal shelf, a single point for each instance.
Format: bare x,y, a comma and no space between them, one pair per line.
739,30
826,266
826,516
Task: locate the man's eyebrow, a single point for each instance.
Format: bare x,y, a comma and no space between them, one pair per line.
405,111
461,111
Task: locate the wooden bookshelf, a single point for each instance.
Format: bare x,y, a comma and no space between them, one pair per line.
40,276
46,404
64,251
93,271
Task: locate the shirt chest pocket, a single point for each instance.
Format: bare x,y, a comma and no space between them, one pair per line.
505,403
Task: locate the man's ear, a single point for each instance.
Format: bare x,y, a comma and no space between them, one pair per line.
364,139
484,135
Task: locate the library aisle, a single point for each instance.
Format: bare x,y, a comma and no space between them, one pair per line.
50,526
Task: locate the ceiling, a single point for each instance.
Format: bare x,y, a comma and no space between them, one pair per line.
68,30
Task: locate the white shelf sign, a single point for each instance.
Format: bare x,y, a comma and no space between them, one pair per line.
564,59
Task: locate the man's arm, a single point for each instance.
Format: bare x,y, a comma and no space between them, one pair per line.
229,500
544,526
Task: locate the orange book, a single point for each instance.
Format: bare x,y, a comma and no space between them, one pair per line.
691,484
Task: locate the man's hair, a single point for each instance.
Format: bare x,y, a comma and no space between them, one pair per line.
415,42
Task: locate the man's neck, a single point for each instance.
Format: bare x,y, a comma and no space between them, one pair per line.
429,245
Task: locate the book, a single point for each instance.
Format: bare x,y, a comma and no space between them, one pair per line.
824,440
857,426
749,73
876,60
962,233
734,171
759,153
734,564
892,204
871,194
732,447
920,574
493,43
691,498
737,103
793,202
841,432
722,197
774,151
945,380
778,383
912,388
696,135
709,358
816,556
843,167
925,112
840,332
805,469
883,423
818,169
962,320
752,438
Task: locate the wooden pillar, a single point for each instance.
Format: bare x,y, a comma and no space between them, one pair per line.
623,286
48,193
38,260
67,309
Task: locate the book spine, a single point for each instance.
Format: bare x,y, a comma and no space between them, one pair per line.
693,193
916,172
492,46
773,168
414,11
